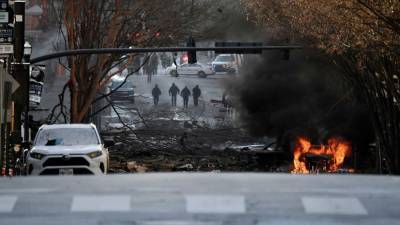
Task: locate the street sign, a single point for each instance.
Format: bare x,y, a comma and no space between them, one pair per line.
6,49
36,85
15,84
4,17
3,4
35,93
6,34
6,14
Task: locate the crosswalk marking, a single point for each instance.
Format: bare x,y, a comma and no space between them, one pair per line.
212,204
215,204
25,190
101,203
7,203
173,222
333,205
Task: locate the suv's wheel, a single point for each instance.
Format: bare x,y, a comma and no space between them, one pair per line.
202,74
173,73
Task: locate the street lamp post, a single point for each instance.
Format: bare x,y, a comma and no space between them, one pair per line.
27,51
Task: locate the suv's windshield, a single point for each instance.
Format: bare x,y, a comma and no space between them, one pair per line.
67,136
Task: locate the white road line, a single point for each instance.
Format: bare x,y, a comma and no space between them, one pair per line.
7,203
215,204
101,203
27,190
333,205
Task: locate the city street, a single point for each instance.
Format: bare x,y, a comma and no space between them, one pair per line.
172,138
200,199
209,110
184,112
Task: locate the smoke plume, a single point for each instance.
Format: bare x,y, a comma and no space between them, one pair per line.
301,96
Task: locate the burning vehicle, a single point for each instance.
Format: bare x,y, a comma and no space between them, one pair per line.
330,157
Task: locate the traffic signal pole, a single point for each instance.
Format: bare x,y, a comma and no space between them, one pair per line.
238,50
21,68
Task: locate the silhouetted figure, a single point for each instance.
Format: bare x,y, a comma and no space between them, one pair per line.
185,93
173,91
196,94
154,61
134,68
225,98
156,92
147,68
228,104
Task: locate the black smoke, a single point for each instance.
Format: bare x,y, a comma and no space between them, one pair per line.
305,95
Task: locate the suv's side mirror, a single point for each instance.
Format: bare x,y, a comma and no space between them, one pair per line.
108,143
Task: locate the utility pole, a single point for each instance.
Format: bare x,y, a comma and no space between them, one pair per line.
6,51
21,66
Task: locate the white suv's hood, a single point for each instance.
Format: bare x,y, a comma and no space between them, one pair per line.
60,150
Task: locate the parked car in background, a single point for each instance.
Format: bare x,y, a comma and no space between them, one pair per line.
124,122
122,91
198,69
226,63
68,149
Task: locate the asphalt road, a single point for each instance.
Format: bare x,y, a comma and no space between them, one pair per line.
201,199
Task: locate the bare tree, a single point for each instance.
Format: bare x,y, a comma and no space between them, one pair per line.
364,38
90,24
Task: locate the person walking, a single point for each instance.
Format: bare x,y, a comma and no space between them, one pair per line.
154,61
156,92
173,91
196,94
185,93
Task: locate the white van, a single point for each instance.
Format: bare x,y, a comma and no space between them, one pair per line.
227,63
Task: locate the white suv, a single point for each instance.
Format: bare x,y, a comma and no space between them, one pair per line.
226,63
67,149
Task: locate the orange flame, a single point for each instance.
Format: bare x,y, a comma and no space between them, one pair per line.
336,150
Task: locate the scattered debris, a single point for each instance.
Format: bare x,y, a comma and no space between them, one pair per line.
184,140
133,166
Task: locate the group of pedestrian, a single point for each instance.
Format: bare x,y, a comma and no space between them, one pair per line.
174,91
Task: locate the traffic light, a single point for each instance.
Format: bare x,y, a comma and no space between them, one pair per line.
191,54
238,44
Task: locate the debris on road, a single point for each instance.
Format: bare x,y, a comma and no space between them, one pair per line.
204,149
